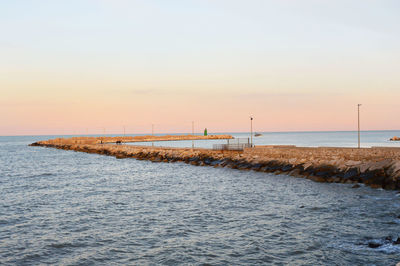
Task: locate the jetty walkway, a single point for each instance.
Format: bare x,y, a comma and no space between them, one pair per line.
130,139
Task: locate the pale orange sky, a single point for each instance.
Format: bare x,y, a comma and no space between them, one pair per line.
83,66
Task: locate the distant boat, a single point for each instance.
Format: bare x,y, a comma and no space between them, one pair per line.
257,134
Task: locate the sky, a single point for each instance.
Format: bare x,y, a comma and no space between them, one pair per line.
80,66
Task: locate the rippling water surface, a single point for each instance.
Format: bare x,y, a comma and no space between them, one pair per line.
65,207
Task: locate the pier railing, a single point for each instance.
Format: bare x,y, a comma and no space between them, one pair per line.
238,144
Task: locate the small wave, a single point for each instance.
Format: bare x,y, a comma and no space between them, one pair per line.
378,245
388,248
39,175
66,245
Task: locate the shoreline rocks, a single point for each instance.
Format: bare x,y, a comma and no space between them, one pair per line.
395,138
377,168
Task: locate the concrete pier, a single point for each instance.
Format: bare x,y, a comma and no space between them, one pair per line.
375,167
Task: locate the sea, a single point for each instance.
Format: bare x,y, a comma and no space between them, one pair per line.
62,207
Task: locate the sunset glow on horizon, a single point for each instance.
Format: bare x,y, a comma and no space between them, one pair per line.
89,67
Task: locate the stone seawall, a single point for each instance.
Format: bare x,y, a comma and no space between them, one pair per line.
375,167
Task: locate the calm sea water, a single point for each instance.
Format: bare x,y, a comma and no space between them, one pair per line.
65,207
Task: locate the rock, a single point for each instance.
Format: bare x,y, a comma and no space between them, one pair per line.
355,186
295,172
215,163
307,165
364,167
389,184
375,178
325,171
380,165
317,178
244,166
352,163
351,173
208,161
394,168
287,168
274,165
395,138
195,158
256,167
224,162
374,245
397,242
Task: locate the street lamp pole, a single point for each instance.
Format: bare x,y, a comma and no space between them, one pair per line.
251,131
358,111
192,134
152,133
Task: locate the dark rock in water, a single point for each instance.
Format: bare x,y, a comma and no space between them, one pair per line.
295,172
355,186
364,177
257,166
323,174
374,245
208,161
34,144
302,206
192,159
223,162
121,156
274,165
325,171
373,178
397,242
388,238
265,169
351,173
287,168
195,162
244,166
310,170
215,163
390,184
317,178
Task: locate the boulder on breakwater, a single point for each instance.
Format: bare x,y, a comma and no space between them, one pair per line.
375,167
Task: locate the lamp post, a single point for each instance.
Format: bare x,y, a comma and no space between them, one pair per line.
192,134
251,131
152,133
358,112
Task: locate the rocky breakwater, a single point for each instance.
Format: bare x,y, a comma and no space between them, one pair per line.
375,167
124,139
